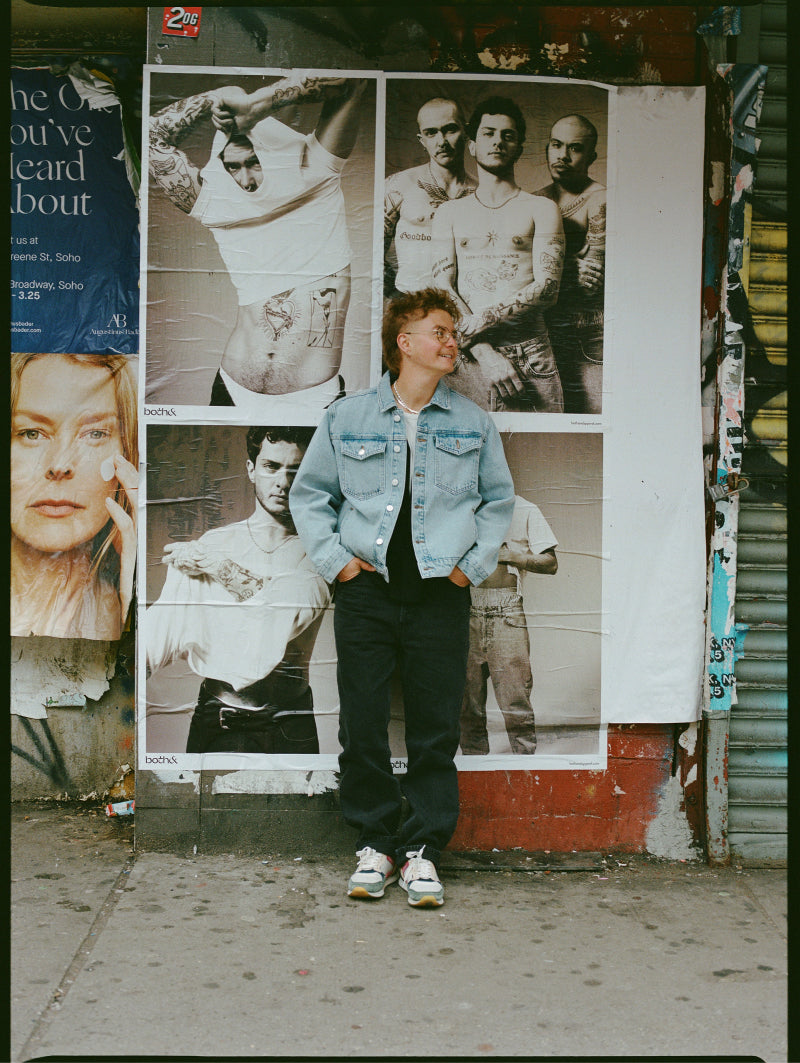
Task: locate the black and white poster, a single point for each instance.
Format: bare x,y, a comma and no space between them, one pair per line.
282,209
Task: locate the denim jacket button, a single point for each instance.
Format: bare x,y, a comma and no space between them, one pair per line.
379,542
395,482
397,417
396,449
390,508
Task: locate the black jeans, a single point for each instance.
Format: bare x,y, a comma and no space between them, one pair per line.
428,641
220,396
286,728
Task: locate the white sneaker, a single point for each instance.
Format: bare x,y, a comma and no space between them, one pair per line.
419,879
375,871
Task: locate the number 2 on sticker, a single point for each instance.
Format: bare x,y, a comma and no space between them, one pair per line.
179,18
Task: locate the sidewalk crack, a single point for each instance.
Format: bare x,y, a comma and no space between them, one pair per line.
31,1048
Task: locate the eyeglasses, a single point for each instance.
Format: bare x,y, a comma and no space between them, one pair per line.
443,335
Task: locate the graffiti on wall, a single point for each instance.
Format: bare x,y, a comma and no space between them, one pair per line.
746,85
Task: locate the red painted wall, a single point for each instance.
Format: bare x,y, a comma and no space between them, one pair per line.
560,811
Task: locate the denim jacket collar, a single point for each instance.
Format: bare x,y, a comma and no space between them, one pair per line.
441,396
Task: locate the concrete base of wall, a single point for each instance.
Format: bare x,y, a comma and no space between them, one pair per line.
176,818
643,802
74,752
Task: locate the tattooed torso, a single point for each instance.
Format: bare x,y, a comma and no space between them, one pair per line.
292,340
584,218
412,198
503,260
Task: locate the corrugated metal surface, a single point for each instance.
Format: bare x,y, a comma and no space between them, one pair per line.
770,191
758,754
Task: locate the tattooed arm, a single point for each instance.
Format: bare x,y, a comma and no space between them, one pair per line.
443,252
547,256
178,178
238,111
522,557
590,262
392,205
194,560
337,127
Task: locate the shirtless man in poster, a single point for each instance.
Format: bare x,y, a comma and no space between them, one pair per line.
272,199
412,196
576,322
499,252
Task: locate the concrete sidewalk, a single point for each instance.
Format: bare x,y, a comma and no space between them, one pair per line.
175,955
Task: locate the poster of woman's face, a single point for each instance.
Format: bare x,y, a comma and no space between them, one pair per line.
74,475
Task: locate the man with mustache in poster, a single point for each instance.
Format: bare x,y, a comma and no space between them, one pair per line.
413,196
576,321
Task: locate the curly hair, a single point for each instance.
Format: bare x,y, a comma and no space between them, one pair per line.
408,307
496,105
276,434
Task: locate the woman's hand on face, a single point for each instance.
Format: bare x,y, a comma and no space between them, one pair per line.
125,539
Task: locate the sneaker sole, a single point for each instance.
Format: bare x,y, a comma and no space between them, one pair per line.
423,900
426,901
362,893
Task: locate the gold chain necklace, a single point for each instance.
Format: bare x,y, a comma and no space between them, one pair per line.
264,549
499,206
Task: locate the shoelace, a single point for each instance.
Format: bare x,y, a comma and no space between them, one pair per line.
420,868
368,860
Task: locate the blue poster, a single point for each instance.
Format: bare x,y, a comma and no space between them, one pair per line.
74,220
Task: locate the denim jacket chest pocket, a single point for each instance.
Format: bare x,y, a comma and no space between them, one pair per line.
456,457
362,465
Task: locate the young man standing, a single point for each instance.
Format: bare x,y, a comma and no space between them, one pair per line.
403,498
499,644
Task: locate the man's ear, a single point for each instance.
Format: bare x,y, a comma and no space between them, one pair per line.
403,343
471,147
251,471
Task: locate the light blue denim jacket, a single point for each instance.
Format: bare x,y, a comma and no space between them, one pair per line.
347,494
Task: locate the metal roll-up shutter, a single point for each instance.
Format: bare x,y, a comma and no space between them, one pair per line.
758,749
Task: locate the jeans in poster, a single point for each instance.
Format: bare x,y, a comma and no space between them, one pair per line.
536,367
579,353
217,727
427,641
499,647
